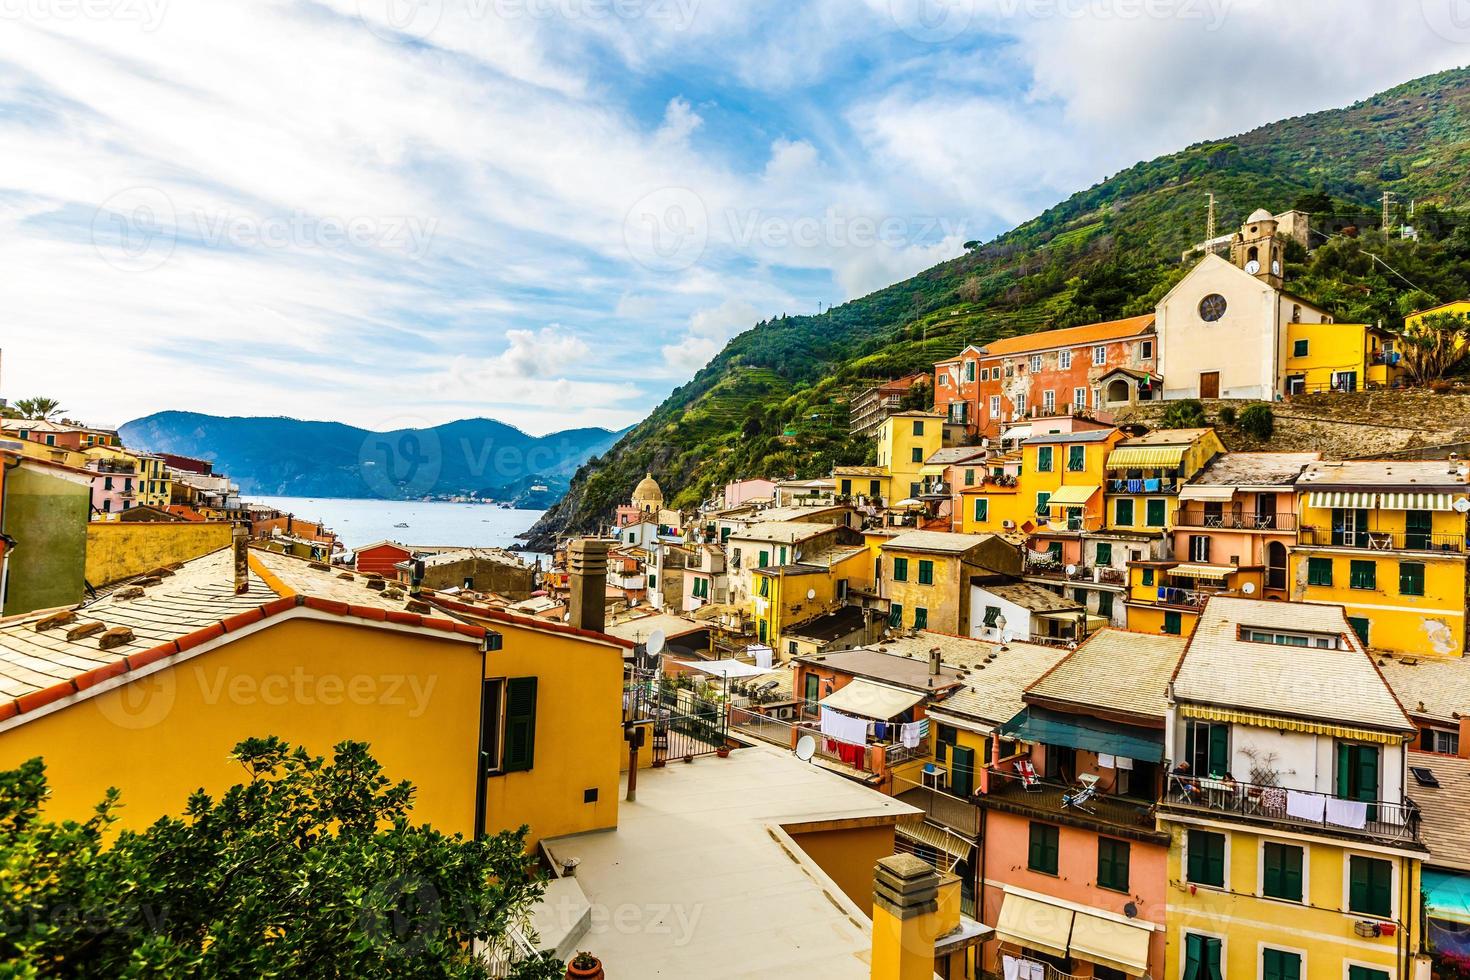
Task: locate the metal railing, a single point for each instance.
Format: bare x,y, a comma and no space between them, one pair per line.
1381,540
1144,485
1235,520
1302,808
505,952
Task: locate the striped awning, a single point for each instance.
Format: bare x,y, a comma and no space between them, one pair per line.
936,838
932,470
1418,501
1071,496
1145,457
1213,573
1039,925
1206,493
1211,713
1120,945
1342,499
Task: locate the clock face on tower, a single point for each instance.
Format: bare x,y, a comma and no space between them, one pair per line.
1212,307
1253,267
1275,268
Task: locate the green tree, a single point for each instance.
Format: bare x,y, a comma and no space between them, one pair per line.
39,407
1435,347
1258,421
1186,414
309,868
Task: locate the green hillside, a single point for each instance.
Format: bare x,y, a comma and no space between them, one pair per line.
773,402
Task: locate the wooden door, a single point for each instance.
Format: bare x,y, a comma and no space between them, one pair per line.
1209,384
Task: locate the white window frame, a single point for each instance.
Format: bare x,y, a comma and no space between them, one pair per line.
1223,887
1079,397
1348,964
1347,889
1261,947
1049,401
1064,359
1035,362
1021,404
1306,878
995,406
1146,350
1099,356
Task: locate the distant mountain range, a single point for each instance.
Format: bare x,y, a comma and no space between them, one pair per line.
291,457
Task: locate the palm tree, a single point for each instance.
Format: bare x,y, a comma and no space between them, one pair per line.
39,407
1434,347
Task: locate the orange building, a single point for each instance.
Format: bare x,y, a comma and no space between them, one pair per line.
1049,373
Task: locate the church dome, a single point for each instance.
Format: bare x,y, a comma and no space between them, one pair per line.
1260,214
647,494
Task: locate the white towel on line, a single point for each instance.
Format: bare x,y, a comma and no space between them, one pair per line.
1347,813
1305,806
1011,967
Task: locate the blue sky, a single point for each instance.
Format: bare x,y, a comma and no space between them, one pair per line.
552,212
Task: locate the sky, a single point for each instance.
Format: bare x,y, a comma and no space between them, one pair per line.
553,212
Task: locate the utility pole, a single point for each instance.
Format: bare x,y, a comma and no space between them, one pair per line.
1210,226
1387,200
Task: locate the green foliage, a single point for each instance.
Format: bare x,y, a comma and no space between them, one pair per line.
309,868
1226,415
1258,421
1110,251
38,407
1437,345
1186,414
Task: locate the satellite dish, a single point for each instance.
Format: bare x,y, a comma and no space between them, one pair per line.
1461,504
1071,569
811,593
655,643
806,747
1253,267
1130,910
1249,588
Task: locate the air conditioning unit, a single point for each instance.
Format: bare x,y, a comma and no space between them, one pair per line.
1008,525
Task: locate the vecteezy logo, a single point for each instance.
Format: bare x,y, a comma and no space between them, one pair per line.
1450,19
401,462
394,20
135,230
932,21
142,703
667,231
405,910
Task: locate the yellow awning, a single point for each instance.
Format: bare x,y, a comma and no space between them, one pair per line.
1214,494
877,701
1027,922
1213,573
1111,943
936,838
932,470
1418,501
1145,457
1212,713
1071,496
1343,499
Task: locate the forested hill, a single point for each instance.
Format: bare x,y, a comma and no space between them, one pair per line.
773,402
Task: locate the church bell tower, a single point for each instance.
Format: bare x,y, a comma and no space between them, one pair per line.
1258,249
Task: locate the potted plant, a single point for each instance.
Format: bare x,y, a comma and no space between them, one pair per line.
585,966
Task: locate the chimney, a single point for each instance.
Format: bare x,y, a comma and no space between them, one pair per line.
934,661
587,565
240,544
907,918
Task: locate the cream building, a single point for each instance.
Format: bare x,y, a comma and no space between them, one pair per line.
1223,330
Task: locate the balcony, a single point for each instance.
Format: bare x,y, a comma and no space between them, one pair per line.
1153,485
1305,810
1061,803
1233,520
1321,537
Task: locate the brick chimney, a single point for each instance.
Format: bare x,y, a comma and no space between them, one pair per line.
240,544
587,568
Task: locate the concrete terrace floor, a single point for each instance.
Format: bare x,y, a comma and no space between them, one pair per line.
699,880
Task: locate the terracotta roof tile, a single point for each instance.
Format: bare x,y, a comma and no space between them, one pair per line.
1091,333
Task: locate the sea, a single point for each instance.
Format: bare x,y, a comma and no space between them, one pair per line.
360,522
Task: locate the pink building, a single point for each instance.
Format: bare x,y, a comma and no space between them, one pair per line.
112,485
744,491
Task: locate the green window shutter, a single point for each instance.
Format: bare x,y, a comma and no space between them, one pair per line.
1211,959
765,560
900,569
1319,571
1366,973
895,614
1076,458
1147,576
921,619
1278,964
1173,623
1043,459
1043,501
1194,954
1282,871
1104,553
982,510
1363,574
917,455
991,614
1360,627
926,572
1112,864
1370,886
1123,513
1206,858
1042,855
653,581
1104,603
1219,749
1411,578
1155,514
520,724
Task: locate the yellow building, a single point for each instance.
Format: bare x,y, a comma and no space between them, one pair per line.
905,441
1305,863
174,673
800,591
1413,321
1146,473
926,576
154,485
1384,539
1338,357
1166,597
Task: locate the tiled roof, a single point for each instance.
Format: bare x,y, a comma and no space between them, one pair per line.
955,454
1032,597
1164,437
1444,809
1092,333
1086,435
498,556
1438,689
1116,670
938,541
1333,685
782,532
178,612
1254,469
1384,473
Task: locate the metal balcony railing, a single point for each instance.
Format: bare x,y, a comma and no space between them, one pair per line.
1235,520
1144,485
1294,807
1381,540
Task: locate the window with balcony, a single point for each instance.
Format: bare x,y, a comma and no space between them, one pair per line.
1207,747
1043,851
1201,957
1411,578
1076,459
1319,571
1358,766
900,569
1281,871
1363,574
1278,964
1418,529
1112,864
1205,862
926,572
1370,886
1049,401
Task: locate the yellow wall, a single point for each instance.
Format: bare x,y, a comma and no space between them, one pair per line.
579,734
1432,624
947,609
1002,504
1331,347
848,855
51,454
1036,481
120,549
897,442
1150,619
787,604
1457,308
1319,928
415,699
152,486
